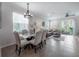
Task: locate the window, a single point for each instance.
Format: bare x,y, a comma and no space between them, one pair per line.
51,24
46,24
67,26
19,22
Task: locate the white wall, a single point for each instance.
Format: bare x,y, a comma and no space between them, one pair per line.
0,15
6,31
77,25
36,19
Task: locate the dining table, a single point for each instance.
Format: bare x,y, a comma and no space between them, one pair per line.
27,36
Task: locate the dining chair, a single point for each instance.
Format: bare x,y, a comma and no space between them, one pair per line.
37,41
19,43
44,38
24,31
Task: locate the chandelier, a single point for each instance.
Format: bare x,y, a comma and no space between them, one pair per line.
27,13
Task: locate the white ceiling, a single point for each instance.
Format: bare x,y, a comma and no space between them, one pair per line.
51,8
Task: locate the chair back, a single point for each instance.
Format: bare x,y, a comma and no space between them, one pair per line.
44,35
38,37
18,42
24,32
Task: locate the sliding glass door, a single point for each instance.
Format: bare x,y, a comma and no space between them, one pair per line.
67,26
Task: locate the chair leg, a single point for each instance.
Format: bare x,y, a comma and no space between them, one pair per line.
35,49
19,51
16,48
45,41
25,47
32,46
42,44
38,46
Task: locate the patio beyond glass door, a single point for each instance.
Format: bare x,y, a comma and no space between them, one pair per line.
67,26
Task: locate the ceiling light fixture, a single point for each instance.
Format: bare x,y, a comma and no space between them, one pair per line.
27,12
69,13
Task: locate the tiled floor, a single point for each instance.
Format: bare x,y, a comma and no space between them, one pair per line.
66,46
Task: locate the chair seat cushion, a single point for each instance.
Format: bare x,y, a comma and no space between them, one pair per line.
24,42
32,41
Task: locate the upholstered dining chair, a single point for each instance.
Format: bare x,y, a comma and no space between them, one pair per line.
44,37
37,41
24,31
19,43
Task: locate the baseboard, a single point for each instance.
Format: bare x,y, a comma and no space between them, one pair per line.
0,52
8,44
